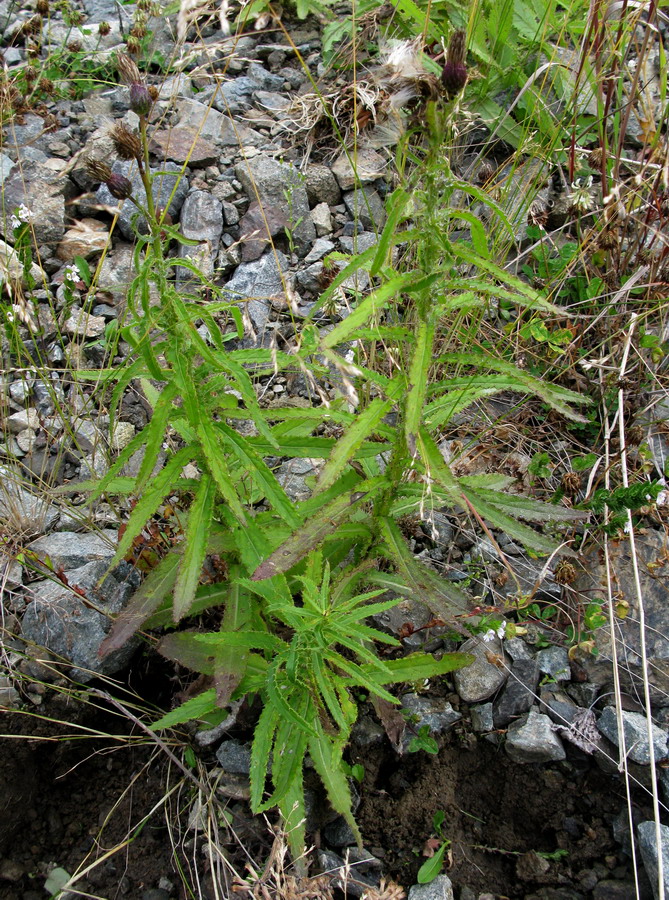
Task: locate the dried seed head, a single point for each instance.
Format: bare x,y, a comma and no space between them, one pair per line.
33,25
154,93
74,18
30,73
104,28
133,45
454,73
140,99
138,31
98,170
127,69
46,86
565,572
42,7
119,186
126,143
635,435
571,483
74,46
596,157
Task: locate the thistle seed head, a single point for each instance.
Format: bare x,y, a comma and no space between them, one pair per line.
126,143
98,170
571,483
104,28
42,7
127,69
565,572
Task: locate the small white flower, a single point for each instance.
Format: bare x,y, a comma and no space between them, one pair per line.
488,635
662,498
16,223
501,631
72,273
22,216
580,197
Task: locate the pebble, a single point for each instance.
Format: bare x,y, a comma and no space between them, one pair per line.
635,728
646,833
440,888
482,678
532,740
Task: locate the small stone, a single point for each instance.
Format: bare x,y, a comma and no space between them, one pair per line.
532,740
184,144
122,434
26,439
68,550
439,888
322,187
254,283
649,853
635,728
367,167
482,678
82,324
18,422
434,712
554,661
202,218
86,238
234,757
518,694
339,833
365,205
320,249
517,649
482,719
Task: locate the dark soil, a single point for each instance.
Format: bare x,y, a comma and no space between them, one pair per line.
57,796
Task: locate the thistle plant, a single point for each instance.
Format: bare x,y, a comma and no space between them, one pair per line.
298,580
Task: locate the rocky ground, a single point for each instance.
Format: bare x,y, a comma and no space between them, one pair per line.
527,770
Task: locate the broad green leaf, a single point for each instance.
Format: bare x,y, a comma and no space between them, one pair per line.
315,530
432,866
361,261
290,746
527,508
194,545
277,687
155,432
241,640
531,539
419,666
312,447
157,585
192,710
397,205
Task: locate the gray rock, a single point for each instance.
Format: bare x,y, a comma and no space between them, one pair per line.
322,219
292,476
117,272
367,733
517,649
68,550
59,620
554,661
359,242
254,284
648,846
635,727
339,833
435,712
6,166
322,186
234,757
365,205
163,186
518,694
482,719
23,513
650,547
202,218
355,884
83,324
256,226
320,249
532,740
235,96
25,418
558,705
367,167
267,81
438,889
41,191
280,185
482,678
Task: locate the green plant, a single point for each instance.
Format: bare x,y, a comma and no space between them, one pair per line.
434,864
300,578
423,740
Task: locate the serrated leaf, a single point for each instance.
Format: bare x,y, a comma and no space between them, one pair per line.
419,666
217,464
261,748
421,361
326,757
194,545
529,509
192,710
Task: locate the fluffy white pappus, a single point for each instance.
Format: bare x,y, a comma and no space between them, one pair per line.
402,59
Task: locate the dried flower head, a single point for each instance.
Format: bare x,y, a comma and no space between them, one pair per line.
133,45
104,28
596,157
127,69
571,483
126,143
30,73
580,196
635,435
74,46
565,572
42,7
46,86
98,170
454,73
139,31
33,25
